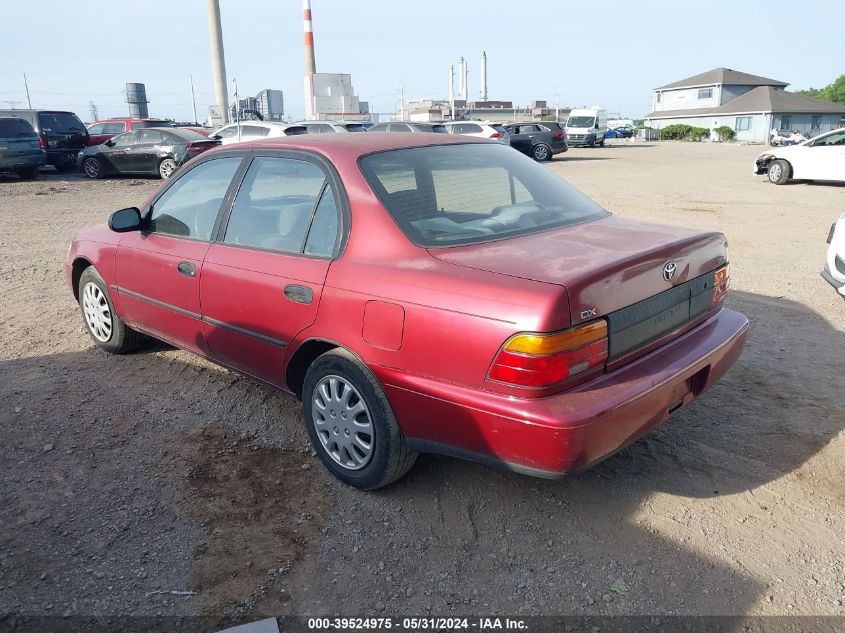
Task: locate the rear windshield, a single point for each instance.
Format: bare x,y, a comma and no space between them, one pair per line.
187,135
355,127
463,194
10,128
162,123
60,122
499,128
295,130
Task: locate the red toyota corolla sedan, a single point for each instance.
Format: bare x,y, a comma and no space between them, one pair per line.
419,293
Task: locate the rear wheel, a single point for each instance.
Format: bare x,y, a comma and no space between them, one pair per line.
27,173
166,168
92,167
351,424
106,328
779,172
541,152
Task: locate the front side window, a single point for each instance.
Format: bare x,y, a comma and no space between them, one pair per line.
399,127
705,93
189,207
97,128
227,132
275,203
837,138
743,123
464,194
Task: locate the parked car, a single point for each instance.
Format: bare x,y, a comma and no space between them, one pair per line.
626,131
820,158
20,149
62,135
480,129
101,131
254,130
586,127
540,141
157,151
408,126
834,268
418,292
327,127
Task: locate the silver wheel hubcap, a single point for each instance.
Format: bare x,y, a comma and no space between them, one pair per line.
342,421
167,168
92,168
97,312
541,153
774,172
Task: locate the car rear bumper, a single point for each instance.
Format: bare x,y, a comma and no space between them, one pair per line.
555,435
34,159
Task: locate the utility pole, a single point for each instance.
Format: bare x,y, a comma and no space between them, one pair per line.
557,106
237,108
194,101
402,101
93,109
26,86
218,62
452,91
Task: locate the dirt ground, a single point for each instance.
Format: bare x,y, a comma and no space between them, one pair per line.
157,471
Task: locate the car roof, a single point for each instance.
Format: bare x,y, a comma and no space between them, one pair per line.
355,144
128,118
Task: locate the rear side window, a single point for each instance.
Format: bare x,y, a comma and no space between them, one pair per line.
399,127
162,123
10,128
322,235
150,137
254,130
113,128
295,130
60,122
439,129
189,207
275,204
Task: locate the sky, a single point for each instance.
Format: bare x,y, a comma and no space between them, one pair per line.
610,54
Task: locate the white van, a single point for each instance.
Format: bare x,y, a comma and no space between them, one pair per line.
586,127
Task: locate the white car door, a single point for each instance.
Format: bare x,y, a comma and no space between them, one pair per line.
822,159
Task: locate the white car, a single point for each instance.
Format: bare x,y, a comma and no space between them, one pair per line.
254,130
481,129
834,268
820,158
327,127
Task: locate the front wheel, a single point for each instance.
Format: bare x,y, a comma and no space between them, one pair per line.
601,142
92,167
778,172
351,424
166,168
541,153
106,328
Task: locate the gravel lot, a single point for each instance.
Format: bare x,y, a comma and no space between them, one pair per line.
157,471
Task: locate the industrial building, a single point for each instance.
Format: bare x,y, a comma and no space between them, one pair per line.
269,104
503,111
334,98
750,105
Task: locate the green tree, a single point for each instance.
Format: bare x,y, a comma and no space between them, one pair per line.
832,92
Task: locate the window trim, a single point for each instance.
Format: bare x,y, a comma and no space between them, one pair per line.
332,179
709,96
146,212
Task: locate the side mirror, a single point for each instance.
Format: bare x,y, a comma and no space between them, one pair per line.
216,137
109,143
125,220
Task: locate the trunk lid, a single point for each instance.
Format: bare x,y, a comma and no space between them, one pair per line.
605,265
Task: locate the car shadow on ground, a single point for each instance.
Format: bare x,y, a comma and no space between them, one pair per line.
162,464
569,159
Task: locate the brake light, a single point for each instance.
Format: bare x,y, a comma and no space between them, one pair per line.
542,360
495,135
721,284
42,142
558,134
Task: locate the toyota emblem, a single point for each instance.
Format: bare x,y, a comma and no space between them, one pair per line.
669,270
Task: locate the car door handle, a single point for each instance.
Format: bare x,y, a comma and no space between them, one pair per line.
299,294
186,269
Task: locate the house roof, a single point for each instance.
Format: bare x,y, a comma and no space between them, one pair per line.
760,99
723,76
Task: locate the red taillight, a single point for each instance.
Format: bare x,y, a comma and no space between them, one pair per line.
42,142
721,284
495,135
558,134
201,146
542,360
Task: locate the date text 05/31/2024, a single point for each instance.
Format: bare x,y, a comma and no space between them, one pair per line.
418,624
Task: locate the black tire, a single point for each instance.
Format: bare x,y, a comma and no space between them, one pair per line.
541,152
592,142
122,338
779,172
166,168
27,173
601,142
92,167
390,457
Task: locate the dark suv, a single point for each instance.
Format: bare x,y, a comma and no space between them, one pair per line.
61,134
540,141
19,147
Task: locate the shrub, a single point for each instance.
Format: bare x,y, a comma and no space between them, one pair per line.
683,132
725,133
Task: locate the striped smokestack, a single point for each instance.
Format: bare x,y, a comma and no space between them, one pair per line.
310,64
